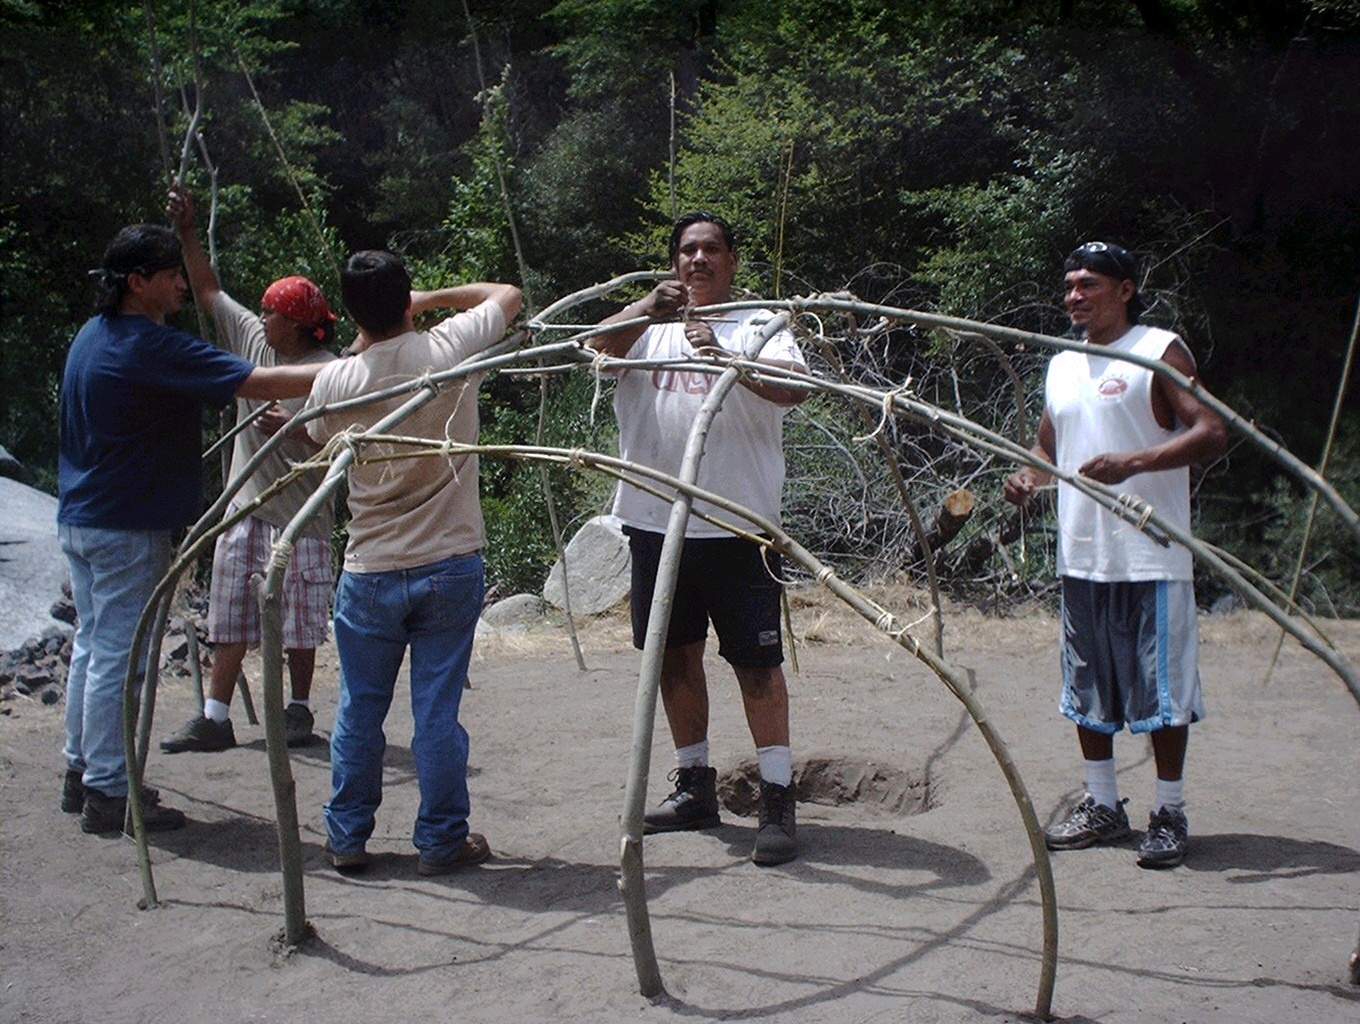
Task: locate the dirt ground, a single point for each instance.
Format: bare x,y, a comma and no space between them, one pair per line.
893,912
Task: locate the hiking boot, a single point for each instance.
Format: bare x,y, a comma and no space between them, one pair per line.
693,805
776,841
474,850
355,863
104,813
72,792
201,736
1166,840
298,722
1087,824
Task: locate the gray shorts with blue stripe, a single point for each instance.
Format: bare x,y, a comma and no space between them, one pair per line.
1130,655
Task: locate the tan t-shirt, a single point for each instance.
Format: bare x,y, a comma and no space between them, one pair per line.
415,511
242,332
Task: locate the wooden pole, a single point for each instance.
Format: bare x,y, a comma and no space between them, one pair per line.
631,880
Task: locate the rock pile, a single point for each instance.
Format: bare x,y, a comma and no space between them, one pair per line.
37,669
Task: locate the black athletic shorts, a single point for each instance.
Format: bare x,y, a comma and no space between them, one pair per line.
724,579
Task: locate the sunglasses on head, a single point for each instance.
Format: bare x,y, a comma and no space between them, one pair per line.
1103,257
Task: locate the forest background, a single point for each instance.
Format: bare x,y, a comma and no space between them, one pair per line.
941,155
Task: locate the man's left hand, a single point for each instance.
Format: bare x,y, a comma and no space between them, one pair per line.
271,422
700,337
1110,468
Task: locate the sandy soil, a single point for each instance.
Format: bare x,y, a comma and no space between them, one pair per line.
888,915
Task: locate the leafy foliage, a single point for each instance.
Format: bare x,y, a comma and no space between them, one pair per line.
943,154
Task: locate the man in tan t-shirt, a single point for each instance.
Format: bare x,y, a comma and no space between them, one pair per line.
413,567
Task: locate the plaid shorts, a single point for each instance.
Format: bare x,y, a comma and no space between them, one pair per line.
233,608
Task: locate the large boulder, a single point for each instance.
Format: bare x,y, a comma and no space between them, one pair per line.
517,610
12,468
598,569
32,567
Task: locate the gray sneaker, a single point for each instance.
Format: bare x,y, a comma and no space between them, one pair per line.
298,722
1166,840
201,736
693,805
1087,824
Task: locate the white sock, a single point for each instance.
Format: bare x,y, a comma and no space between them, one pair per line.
301,703
776,764
693,756
1102,783
1169,794
216,710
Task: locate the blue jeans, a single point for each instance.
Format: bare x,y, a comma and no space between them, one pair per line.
433,610
113,573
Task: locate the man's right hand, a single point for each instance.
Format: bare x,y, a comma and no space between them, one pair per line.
179,208
1021,486
665,300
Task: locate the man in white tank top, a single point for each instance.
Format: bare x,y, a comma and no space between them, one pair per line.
1130,640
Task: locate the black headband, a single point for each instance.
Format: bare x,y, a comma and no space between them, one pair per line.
1104,258
1112,261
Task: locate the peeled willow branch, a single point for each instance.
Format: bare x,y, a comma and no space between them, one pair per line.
1142,517
203,532
1277,451
830,352
344,449
631,854
632,882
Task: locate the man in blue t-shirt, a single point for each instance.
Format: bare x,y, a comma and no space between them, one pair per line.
129,474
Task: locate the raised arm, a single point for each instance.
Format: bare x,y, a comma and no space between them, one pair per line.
661,303
179,207
469,296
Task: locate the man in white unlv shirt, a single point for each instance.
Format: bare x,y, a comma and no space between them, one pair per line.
722,578
1130,650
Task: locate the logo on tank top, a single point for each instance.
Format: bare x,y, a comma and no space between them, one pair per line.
1112,387
689,382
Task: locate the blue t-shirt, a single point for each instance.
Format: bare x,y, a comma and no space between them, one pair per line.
132,403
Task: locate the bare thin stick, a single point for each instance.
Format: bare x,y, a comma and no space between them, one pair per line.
1337,405
670,163
488,111
782,220
631,881
283,159
157,77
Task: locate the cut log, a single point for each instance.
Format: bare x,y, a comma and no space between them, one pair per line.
954,512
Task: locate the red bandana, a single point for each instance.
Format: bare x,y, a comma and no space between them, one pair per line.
299,300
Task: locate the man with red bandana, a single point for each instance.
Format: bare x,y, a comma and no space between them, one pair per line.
1130,641
294,327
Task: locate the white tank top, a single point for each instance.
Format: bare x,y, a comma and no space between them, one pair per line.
1097,405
